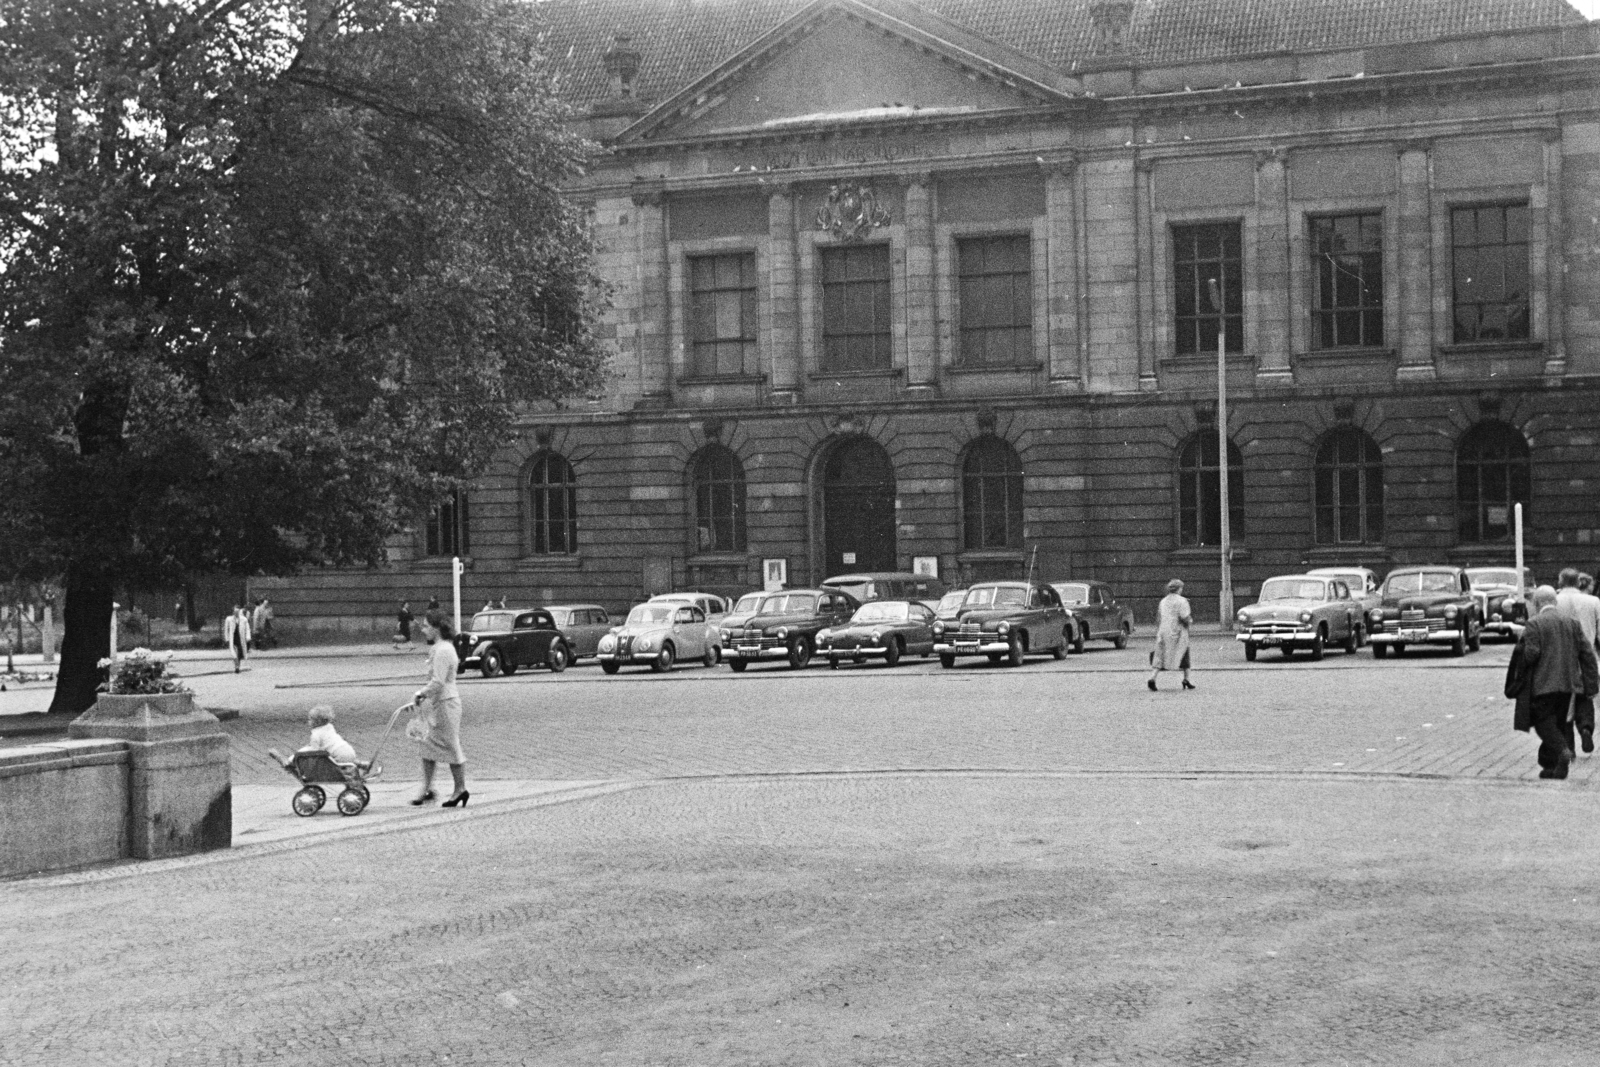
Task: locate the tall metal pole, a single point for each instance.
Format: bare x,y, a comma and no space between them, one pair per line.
1522,586
1225,596
455,576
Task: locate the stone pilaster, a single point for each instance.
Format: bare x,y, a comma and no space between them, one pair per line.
1580,180
783,296
1111,265
1554,325
655,330
1414,232
1062,281
922,353
1140,313
1268,289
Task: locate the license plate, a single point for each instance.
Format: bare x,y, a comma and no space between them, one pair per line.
1267,641
1413,635
749,648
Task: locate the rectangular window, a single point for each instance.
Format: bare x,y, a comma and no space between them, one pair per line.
1347,258
445,532
1200,254
996,293
722,315
855,308
1489,263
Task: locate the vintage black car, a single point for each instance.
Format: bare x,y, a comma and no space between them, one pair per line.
882,629
786,627
1005,621
1426,606
502,641
1505,599
1095,613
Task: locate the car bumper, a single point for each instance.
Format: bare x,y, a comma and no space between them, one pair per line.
632,657
749,654
1416,637
1280,637
1503,627
981,647
863,652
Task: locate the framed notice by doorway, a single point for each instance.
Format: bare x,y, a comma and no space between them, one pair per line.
774,574
925,566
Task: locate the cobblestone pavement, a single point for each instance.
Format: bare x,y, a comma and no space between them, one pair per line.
1342,862
867,919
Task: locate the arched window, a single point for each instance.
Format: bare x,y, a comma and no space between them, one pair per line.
991,495
1349,489
553,504
1200,491
1492,474
445,532
718,500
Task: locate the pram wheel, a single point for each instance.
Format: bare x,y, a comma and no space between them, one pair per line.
308,801
353,801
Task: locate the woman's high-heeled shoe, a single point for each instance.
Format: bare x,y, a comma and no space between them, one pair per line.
457,801
1188,684
417,802
1151,682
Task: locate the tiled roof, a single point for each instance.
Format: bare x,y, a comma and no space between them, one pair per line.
679,40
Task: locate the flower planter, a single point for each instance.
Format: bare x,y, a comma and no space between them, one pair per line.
143,717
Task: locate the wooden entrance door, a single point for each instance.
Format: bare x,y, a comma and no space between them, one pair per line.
858,509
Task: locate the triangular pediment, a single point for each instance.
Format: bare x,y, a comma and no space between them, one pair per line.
848,62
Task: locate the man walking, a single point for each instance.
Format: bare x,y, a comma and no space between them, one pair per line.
236,635
1551,668
1583,607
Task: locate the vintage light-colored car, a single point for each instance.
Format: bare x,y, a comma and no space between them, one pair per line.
1005,621
888,585
715,607
658,635
1363,585
1426,606
1505,605
786,627
882,629
1309,611
1095,613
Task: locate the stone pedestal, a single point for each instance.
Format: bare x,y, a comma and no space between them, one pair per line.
180,795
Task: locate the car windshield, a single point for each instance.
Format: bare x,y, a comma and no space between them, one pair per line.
862,590
1293,589
748,602
882,611
486,622
1420,582
789,604
996,596
1507,577
951,601
650,613
1353,579
1073,593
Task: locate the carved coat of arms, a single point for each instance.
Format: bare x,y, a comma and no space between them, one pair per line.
851,211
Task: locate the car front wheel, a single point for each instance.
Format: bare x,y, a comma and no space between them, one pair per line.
1015,653
663,661
1121,640
1250,651
713,654
1474,637
946,660
1379,651
611,668
1317,644
557,658
799,653
492,664
737,665
891,655
1077,639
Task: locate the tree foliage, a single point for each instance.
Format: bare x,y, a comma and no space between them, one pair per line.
273,277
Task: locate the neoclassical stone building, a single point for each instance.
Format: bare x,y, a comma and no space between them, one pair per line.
899,282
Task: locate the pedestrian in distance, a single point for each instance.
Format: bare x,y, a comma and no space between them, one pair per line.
1585,583
258,624
236,635
1584,608
1173,621
436,726
1551,670
402,632
434,614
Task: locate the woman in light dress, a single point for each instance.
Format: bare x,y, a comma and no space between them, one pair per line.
440,705
1173,620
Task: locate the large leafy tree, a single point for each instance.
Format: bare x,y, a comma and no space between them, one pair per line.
273,277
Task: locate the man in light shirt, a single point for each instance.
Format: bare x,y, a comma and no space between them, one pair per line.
1573,602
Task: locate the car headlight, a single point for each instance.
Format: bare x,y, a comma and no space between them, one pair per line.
607,643
783,633
727,635
938,628
824,635
1244,616
1376,614
646,644
1305,616
877,635
1451,611
1003,628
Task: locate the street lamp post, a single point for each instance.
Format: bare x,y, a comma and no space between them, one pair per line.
1225,596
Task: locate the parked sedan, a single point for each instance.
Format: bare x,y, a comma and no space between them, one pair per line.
1005,621
786,627
949,606
1425,606
657,635
1300,611
1095,613
1363,585
1505,605
882,629
582,625
499,641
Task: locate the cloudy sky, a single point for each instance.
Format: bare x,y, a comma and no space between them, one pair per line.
1590,8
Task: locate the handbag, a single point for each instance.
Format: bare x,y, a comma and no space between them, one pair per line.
420,725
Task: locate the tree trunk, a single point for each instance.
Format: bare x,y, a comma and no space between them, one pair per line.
85,641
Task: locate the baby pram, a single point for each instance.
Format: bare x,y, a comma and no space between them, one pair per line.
314,768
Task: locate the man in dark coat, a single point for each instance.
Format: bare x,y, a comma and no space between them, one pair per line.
1551,668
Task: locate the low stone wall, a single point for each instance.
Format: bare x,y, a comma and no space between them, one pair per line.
141,778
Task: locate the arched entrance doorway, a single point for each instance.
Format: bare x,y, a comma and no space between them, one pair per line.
857,508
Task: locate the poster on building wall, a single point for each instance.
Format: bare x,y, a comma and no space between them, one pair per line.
774,573
925,566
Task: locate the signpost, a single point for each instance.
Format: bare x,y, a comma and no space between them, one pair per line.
455,571
1225,597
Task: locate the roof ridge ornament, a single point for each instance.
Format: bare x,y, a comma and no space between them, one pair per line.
851,211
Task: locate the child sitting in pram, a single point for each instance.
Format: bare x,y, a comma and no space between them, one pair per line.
325,738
